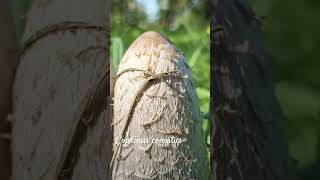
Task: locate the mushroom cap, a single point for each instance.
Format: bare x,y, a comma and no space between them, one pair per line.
151,37
157,109
150,47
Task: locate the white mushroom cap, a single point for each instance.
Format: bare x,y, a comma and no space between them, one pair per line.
148,51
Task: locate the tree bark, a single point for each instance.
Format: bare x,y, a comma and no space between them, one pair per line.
61,92
8,63
247,123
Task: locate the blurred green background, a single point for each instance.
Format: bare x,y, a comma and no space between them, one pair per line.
184,22
291,32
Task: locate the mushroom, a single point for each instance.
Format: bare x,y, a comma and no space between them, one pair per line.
155,101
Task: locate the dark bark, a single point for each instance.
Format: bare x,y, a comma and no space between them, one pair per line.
61,93
247,123
8,62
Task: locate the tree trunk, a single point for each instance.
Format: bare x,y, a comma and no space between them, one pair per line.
247,123
61,92
8,63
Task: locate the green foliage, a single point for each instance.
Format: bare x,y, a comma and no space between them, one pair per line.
186,24
19,9
292,35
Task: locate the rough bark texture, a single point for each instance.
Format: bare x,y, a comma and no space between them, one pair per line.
8,63
247,139
155,98
61,90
